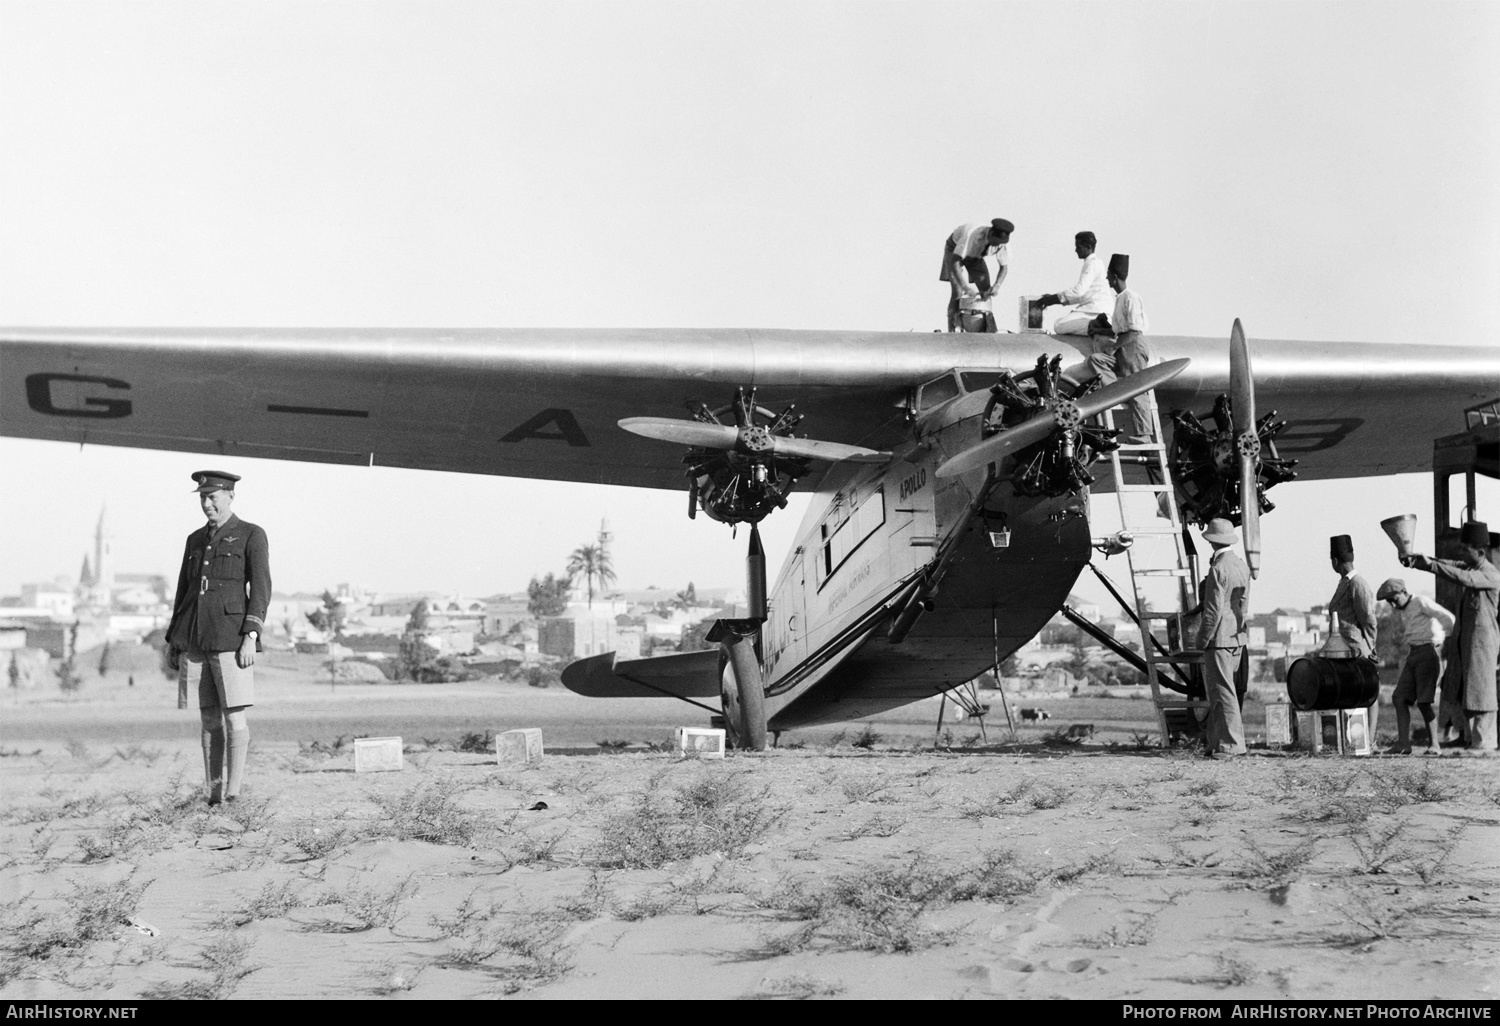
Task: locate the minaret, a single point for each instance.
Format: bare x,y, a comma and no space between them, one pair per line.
104,566
605,536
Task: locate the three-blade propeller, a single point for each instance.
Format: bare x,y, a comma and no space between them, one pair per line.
1029,432
747,439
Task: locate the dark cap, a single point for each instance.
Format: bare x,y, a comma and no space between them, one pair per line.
1341,547
1391,588
1119,265
214,480
1475,533
999,225
1087,238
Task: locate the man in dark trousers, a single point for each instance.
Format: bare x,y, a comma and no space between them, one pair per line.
1223,634
1120,345
1478,631
223,591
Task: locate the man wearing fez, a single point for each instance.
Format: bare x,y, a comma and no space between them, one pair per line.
1420,623
1477,631
223,591
1353,599
1223,634
964,252
1089,297
1120,346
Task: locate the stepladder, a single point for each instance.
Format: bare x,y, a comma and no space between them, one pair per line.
1144,525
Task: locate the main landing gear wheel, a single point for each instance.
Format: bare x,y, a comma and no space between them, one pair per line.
741,693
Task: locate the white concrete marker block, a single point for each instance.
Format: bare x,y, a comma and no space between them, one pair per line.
700,742
519,746
377,754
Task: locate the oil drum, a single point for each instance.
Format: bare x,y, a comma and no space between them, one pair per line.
1313,682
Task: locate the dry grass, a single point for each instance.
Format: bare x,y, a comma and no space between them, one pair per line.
715,813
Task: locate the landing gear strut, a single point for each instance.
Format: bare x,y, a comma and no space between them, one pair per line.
742,693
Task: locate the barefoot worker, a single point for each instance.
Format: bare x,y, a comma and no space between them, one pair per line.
1420,623
223,590
1478,632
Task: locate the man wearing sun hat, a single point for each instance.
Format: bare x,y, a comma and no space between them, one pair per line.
223,591
1477,630
1223,635
1420,624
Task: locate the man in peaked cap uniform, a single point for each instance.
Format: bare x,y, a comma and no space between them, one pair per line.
1420,623
1477,631
964,253
223,591
1223,635
1120,345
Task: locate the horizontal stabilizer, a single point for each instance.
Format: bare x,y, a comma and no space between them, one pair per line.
680,675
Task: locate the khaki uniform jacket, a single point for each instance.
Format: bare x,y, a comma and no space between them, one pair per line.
1226,602
1354,601
1477,633
223,589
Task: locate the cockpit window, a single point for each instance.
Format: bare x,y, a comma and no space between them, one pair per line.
937,391
979,381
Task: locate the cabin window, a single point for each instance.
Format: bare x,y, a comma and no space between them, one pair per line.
840,539
979,381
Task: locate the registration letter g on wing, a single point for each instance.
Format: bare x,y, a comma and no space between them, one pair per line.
65,401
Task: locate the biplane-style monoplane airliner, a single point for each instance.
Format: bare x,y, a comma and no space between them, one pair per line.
915,446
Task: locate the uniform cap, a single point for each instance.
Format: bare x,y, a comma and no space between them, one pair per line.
1119,265
1221,531
214,480
1000,224
1341,547
1475,533
1394,586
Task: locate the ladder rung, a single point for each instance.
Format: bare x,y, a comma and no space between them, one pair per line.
1170,571
1144,488
1153,530
1159,616
1140,447
1169,703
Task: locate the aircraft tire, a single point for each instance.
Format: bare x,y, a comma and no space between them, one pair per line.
742,696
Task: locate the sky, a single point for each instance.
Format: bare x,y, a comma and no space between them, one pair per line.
1321,171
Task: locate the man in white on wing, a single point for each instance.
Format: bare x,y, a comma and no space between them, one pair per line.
1090,297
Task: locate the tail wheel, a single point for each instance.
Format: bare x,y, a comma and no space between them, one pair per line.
742,695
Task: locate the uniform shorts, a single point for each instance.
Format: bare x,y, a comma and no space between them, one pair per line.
1419,676
223,683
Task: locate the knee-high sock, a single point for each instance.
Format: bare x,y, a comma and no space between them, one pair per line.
213,750
239,748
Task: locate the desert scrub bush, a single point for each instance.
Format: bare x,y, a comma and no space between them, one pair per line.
275,900
368,908
515,947
867,739
77,807
225,962
1408,784
317,842
864,789
1276,867
878,825
796,987
89,912
716,812
430,812
588,903
482,744
251,812
880,909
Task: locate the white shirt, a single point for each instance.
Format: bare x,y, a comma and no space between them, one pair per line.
1130,313
1092,293
973,240
1415,622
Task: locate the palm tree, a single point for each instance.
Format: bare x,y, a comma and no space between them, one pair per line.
593,562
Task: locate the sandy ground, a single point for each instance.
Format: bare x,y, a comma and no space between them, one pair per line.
1029,869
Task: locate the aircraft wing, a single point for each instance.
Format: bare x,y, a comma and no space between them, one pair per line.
544,403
